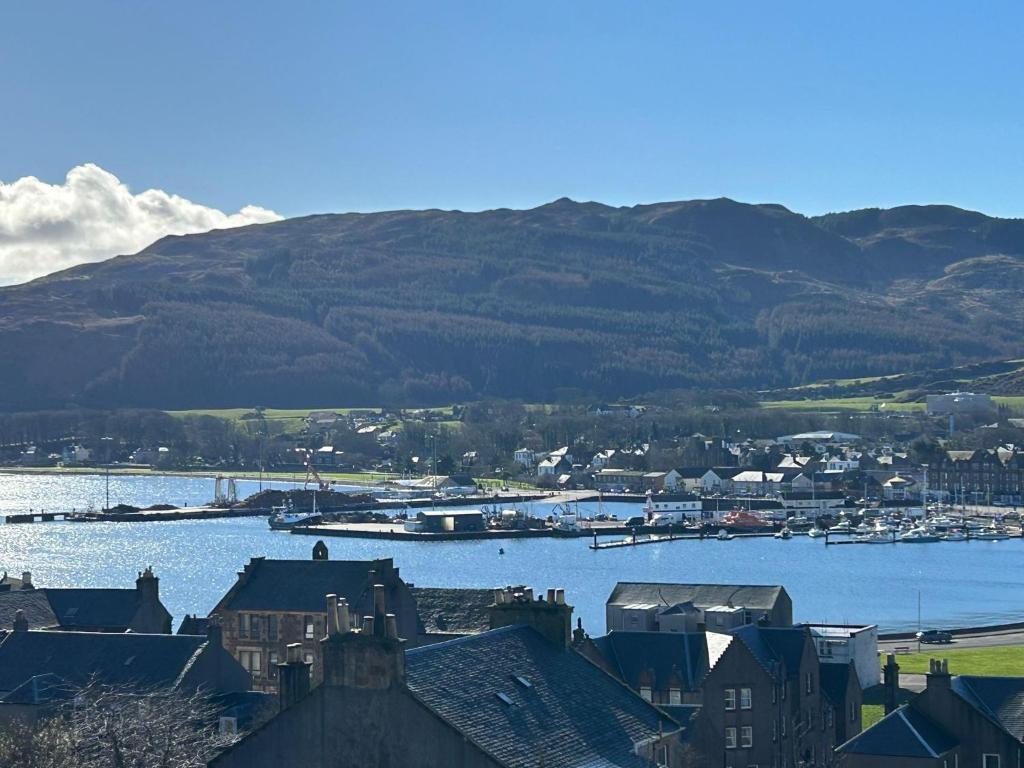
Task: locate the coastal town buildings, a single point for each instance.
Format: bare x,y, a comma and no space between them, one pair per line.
656,607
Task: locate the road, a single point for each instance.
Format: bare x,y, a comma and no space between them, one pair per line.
984,638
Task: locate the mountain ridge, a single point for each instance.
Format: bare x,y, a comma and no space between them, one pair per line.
568,299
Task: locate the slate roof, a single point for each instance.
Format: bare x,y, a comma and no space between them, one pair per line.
631,653
904,732
75,657
453,611
93,607
194,625
702,595
33,602
300,585
70,608
1001,699
568,713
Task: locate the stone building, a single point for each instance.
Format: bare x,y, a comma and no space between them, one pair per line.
956,721
276,603
89,610
977,476
754,695
652,607
516,696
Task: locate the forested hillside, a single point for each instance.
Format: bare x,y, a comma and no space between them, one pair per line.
564,301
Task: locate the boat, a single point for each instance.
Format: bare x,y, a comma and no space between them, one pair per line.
954,535
742,520
991,533
874,537
919,535
799,522
785,533
723,535
863,529
843,526
817,533
284,518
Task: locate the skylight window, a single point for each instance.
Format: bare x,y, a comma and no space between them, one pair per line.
504,698
522,681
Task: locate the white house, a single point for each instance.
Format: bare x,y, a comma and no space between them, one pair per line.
525,457
843,643
602,459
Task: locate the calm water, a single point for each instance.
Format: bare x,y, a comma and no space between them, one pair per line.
961,583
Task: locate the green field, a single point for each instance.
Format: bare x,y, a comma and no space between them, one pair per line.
985,662
859,404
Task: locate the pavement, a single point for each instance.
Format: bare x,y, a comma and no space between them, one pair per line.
983,638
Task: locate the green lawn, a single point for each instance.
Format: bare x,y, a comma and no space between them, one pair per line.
987,662
841,404
871,714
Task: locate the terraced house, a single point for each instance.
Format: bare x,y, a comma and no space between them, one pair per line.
995,474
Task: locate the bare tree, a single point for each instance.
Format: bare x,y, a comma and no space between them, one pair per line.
113,727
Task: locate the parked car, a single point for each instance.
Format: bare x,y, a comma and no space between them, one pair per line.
934,636
635,521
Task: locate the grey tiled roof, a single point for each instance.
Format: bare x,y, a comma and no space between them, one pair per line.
300,585
194,625
701,595
664,653
568,713
75,657
33,602
111,609
835,681
1001,699
904,732
454,611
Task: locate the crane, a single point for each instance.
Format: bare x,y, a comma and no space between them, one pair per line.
312,473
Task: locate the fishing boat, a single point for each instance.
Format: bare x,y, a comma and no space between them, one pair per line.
919,535
285,517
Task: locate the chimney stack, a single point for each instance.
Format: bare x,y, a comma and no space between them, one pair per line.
20,622
551,618
890,683
333,625
214,633
938,674
148,585
370,658
292,677
26,580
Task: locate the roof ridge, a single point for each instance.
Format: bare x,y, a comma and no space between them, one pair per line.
469,638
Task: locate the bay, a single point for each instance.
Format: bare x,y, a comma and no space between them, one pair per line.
960,583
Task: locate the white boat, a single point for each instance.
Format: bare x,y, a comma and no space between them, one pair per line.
875,537
919,535
724,535
816,533
785,533
863,529
843,526
991,533
284,517
954,535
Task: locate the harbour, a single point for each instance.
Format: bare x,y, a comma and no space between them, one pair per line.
973,584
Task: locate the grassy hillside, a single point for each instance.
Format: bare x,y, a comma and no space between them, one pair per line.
567,301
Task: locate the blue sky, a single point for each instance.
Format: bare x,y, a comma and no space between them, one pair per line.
307,107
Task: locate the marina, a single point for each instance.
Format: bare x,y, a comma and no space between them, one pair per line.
976,583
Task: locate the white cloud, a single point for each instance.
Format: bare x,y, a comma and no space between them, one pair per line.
93,216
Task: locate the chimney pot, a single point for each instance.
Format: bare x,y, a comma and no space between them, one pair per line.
344,619
20,622
392,626
560,596
332,615
294,653
367,625
26,580
551,595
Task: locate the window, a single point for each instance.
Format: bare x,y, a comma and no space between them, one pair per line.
853,711
645,692
746,736
775,693
272,662
250,660
272,628
254,627
775,732
730,698
309,627
244,621
730,738
785,685
745,698
990,761
809,683
675,696
307,657
783,726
